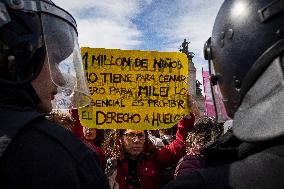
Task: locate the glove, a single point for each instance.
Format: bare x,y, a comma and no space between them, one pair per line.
188,122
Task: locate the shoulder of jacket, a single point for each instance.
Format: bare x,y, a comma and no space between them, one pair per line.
80,151
254,171
13,119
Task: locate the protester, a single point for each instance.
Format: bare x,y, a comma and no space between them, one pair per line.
41,69
139,163
91,136
94,136
206,130
246,55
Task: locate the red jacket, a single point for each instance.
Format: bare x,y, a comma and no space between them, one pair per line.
151,167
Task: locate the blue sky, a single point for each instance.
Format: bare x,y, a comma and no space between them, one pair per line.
159,25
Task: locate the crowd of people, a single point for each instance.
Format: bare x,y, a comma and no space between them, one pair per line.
145,159
43,148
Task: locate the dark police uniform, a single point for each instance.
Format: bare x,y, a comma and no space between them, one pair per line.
37,153
235,164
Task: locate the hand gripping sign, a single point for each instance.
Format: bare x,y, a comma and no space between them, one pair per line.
133,89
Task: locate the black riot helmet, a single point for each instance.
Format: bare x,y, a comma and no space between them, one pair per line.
247,36
36,31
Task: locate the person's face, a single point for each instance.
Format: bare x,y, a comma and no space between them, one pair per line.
44,88
133,142
90,134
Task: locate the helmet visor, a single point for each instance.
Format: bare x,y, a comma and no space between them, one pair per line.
65,63
218,100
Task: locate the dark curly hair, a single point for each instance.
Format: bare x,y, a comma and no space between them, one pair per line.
206,130
113,147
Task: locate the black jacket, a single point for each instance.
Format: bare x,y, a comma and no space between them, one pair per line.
242,166
37,153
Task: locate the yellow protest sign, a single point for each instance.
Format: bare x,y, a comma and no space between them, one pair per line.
134,89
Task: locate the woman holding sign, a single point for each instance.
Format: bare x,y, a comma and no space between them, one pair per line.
139,164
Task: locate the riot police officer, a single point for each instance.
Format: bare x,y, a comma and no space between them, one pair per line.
41,69
246,62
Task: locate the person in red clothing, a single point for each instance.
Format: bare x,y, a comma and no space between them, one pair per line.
139,163
90,134
89,137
